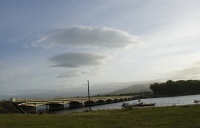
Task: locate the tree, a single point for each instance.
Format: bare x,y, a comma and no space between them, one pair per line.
172,88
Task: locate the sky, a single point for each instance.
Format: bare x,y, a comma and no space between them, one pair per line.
51,48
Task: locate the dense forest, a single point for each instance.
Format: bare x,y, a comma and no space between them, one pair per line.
175,88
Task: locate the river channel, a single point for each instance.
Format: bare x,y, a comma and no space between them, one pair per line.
166,101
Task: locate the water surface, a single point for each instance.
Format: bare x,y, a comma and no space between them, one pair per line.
166,101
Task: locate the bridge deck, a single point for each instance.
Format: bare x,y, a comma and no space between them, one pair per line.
48,101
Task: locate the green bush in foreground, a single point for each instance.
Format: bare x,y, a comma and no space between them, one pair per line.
161,117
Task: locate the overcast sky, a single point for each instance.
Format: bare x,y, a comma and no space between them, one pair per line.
51,46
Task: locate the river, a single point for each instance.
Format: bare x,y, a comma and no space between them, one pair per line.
166,101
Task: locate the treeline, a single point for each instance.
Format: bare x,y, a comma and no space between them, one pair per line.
138,95
174,88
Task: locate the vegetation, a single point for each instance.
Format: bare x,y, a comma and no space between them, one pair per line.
162,117
135,94
174,88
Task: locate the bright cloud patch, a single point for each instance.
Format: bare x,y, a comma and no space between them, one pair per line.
72,59
81,36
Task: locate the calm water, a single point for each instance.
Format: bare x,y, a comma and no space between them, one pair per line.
167,101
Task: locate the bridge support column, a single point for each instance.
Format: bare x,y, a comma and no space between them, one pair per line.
56,107
121,100
115,101
47,107
100,102
109,101
75,104
91,103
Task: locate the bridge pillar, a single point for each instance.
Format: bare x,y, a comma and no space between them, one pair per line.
75,104
109,101
121,100
91,103
115,100
56,107
47,107
100,102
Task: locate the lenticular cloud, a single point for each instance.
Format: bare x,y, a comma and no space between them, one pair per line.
84,37
73,60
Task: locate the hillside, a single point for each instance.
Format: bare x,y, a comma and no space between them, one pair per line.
133,89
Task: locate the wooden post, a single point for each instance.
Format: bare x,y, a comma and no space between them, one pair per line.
89,96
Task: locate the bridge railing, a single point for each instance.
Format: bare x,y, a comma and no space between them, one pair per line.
65,99
37,99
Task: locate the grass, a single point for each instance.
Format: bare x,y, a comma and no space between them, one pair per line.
158,117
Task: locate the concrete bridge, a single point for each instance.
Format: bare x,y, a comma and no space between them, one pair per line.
30,105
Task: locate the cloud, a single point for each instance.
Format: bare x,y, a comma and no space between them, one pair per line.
96,71
84,37
72,59
40,43
72,73
192,72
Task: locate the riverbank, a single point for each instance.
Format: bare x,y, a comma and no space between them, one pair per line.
163,117
7,107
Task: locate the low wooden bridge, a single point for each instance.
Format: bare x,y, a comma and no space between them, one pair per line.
30,105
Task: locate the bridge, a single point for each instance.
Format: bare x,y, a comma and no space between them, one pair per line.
30,105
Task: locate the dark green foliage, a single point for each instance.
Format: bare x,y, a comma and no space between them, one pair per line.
174,88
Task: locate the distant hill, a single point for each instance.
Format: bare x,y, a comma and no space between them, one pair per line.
132,89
